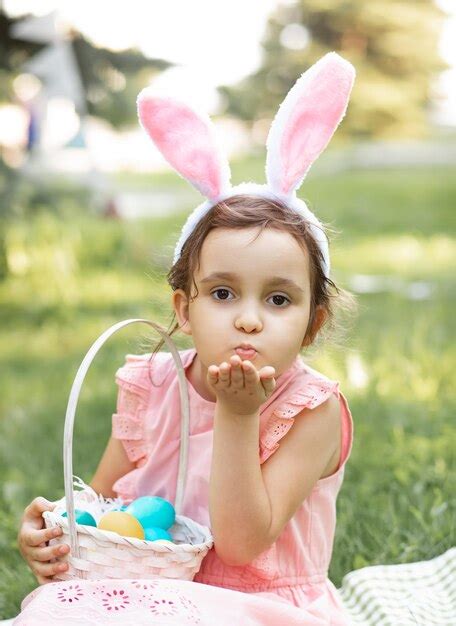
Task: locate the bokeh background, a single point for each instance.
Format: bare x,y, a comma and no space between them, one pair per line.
90,212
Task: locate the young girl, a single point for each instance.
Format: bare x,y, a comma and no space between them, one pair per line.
269,435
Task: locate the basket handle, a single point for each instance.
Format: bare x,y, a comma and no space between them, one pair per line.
71,410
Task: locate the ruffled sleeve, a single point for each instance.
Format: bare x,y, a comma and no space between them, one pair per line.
128,421
308,394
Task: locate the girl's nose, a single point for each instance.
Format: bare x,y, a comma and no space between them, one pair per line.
249,321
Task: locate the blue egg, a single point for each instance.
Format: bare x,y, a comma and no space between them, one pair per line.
152,534
153,512
82,517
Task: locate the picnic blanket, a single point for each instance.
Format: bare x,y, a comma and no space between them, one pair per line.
411,594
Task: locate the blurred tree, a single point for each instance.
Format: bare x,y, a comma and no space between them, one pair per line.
111,79
111,83
393,45
13,53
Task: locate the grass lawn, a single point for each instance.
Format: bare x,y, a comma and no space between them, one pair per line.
71,278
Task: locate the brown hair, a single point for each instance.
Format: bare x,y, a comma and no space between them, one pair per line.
243,211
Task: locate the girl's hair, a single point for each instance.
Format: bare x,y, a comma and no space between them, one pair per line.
246,211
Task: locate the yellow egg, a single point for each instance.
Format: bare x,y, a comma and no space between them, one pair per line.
122,523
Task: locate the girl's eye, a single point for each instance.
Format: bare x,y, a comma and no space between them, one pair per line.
222,292
280,300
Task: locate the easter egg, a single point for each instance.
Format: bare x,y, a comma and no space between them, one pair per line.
153,511
82,517
121,523
153,534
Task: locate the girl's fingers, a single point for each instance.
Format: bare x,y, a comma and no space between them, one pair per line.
49,569
50,552
248,366
268,384
250,373
267,371
224,373
34,537
43,581
37,506
237,375
267,378
240,374
213,374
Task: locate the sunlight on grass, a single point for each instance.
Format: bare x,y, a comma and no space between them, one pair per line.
405,255
70,278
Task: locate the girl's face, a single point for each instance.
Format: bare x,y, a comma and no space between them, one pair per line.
253,291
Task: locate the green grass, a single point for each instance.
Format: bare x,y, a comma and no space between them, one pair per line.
73,277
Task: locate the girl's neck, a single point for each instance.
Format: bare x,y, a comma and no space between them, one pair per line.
196,375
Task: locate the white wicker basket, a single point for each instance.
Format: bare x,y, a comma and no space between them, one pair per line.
96,554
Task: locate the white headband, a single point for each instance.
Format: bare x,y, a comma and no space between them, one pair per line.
301,130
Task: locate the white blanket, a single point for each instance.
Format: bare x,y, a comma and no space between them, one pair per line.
411,594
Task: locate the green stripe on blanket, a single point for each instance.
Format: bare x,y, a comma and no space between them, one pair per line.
410,594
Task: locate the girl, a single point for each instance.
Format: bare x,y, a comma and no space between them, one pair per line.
269,436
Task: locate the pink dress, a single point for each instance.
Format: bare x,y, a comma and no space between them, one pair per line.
287,584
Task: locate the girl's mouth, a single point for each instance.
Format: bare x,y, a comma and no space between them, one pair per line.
246,354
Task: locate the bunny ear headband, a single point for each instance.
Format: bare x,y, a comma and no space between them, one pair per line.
300,131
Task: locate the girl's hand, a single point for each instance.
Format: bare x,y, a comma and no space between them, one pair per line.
32,538
239,386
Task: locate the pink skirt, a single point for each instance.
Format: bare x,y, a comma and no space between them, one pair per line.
165,602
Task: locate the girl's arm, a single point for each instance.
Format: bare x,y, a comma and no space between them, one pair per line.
113,465
251,503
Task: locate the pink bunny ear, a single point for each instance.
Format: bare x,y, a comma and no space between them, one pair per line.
186,140
306,121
